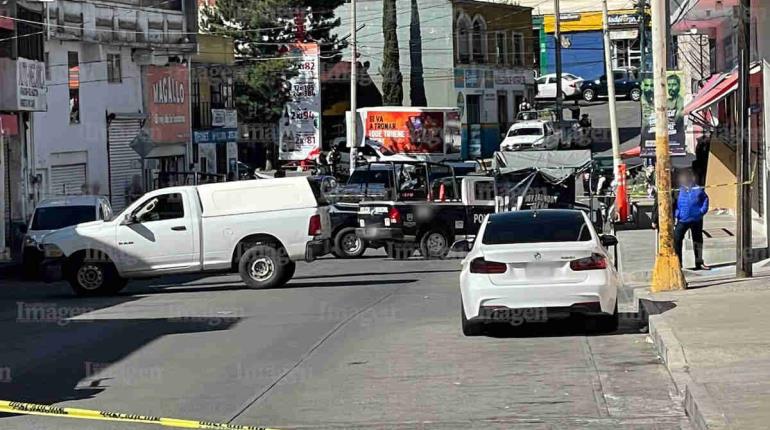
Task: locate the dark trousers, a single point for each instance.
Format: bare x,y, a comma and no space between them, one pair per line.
696,227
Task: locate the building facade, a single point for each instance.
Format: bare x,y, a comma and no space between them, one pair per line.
23,92
118,83
474,55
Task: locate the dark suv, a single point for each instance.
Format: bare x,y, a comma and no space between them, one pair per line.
627,84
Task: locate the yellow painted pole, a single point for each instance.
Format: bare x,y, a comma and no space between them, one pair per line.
667,274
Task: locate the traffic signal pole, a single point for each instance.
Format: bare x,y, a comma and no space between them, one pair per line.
667,274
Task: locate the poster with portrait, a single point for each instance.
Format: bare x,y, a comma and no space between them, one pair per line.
406,132
675,111
299,129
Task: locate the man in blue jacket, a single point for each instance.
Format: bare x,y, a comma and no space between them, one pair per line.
690,207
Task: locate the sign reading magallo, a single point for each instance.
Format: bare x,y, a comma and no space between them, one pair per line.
167,103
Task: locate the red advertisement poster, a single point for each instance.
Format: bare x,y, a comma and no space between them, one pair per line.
168,104
407,132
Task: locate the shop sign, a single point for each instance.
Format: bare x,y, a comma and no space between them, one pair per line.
167,103
216,135
623,20
227,118
24,87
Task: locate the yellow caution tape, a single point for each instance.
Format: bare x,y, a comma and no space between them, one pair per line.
86,414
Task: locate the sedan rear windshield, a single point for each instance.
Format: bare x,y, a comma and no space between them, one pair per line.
536,227
530,131
54,218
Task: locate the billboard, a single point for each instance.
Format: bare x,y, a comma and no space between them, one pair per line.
24,87
413,132
299,129
168,104
675,111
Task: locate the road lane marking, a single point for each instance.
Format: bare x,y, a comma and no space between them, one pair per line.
87,414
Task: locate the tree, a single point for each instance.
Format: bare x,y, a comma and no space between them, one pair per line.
392,80
416,79
260,30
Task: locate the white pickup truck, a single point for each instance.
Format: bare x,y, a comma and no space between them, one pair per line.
258,228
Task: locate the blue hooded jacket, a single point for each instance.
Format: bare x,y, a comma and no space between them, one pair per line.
691,205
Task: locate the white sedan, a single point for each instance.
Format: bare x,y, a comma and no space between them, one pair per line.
546,86
535,265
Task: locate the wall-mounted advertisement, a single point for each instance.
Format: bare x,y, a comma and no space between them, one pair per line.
299,129
167,103
675,111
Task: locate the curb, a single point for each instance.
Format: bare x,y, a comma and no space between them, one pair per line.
702,411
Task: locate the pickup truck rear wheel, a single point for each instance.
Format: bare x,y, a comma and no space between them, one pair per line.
434,245
347,244
263,266
93,278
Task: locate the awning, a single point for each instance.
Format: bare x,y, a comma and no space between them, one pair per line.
716,89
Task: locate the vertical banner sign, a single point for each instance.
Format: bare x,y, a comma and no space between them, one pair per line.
300,125
675,107
167,103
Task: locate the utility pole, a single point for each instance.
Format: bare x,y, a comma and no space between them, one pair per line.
611,93
667,274
353,132
743,150
643,36
557,54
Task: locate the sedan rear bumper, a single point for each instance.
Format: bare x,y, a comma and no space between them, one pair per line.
480,296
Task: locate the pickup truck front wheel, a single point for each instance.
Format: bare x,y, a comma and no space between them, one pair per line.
263,266
93,278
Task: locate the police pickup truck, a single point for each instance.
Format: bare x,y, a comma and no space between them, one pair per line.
429,206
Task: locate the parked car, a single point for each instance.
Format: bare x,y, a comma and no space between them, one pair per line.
55,213
528,261
546,86
627,84
257,228
526,135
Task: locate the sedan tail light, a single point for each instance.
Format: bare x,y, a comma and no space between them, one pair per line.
394,215
480,265
594,262
314,226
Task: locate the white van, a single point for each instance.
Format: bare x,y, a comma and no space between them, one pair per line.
258,228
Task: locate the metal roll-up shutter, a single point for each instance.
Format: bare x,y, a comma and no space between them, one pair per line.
125,163
68,180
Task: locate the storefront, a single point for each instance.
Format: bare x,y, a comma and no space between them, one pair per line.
164,140
583,45
489,99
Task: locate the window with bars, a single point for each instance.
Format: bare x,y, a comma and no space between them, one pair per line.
518,49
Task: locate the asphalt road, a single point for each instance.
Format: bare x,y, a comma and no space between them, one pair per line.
372,343
629,123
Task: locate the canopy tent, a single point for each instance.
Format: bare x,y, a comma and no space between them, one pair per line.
557,165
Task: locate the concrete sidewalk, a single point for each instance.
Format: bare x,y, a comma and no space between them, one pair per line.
714,339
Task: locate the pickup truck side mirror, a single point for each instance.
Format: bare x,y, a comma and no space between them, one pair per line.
462,246
608,240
